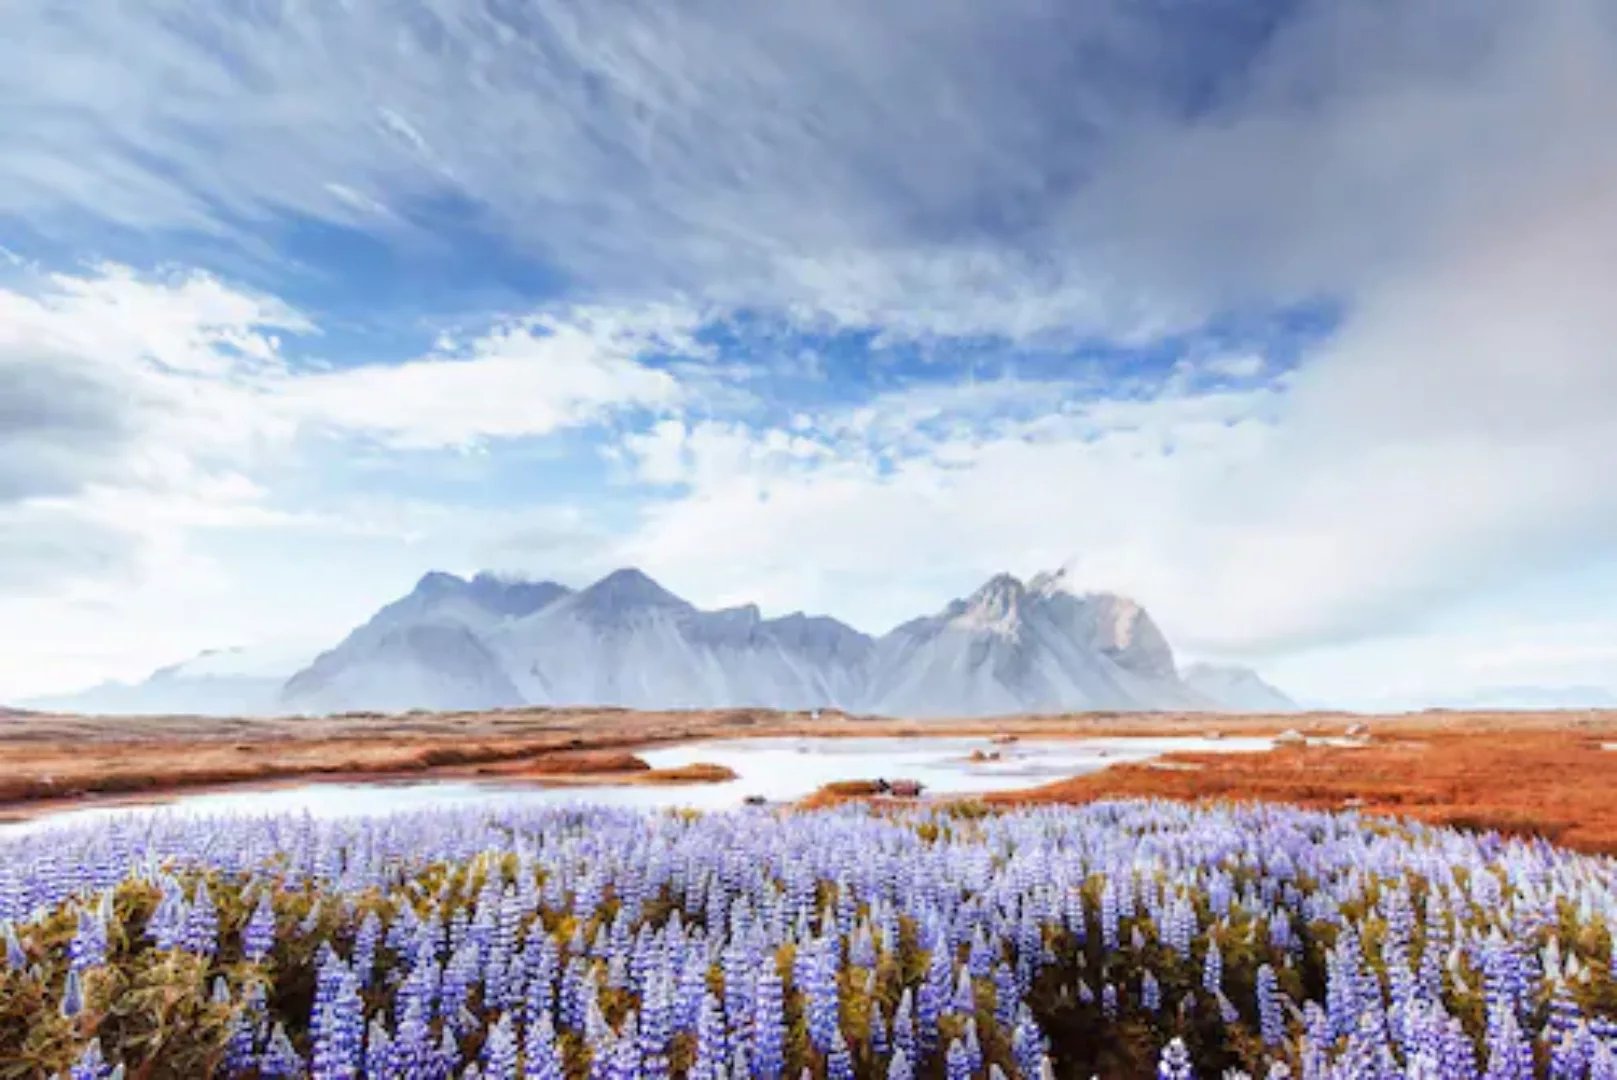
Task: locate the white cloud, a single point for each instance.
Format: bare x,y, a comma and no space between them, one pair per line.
138,408
1452,437
1236,365
526,379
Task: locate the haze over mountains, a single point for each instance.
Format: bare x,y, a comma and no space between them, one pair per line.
484,643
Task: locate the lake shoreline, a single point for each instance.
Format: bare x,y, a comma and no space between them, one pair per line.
1539,773
50,758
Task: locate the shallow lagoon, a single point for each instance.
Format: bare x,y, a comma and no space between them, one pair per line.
780,770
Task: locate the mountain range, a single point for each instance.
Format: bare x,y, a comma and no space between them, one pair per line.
488,642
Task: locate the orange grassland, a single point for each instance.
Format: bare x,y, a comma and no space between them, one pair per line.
1555,782
1537,773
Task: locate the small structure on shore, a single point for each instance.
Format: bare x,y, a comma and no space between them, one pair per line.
904,789
755,800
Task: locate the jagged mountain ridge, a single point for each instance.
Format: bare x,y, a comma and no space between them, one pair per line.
627,641
489,642
1009,648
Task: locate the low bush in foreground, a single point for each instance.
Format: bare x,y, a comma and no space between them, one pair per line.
1122,939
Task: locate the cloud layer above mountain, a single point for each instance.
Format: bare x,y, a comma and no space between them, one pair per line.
1289,319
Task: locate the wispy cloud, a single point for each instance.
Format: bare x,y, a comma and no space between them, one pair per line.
1028,168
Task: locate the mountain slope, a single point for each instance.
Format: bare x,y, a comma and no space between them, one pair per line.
1232,688
1011,648
628,641
427,650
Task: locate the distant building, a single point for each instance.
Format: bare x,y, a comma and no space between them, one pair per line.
904,789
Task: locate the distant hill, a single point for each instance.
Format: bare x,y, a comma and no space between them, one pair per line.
235,681
1237,689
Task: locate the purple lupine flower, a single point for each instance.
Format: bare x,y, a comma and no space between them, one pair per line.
1175,1062
656,1016
378,1056
201,931
904,1028
1570,1052
1510,1057
768,1026
16,958
447,1056
72,996
1150,992
1110,916
500,1050
1027,1044
339,1022
88,948
1213,968
974,1047
879,1043
964,1001
1005,996
91,1065
623,1061
1271,1018
1603,1062
280,1060
541,1056
899,1067
957,1063
822,1005
839,1062
930,997
413,1052
258,936
712,1044
241,1051
366,939
166,927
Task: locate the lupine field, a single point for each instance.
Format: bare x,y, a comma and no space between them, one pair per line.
1127,939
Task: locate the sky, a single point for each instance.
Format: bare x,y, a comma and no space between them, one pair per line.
1291,319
